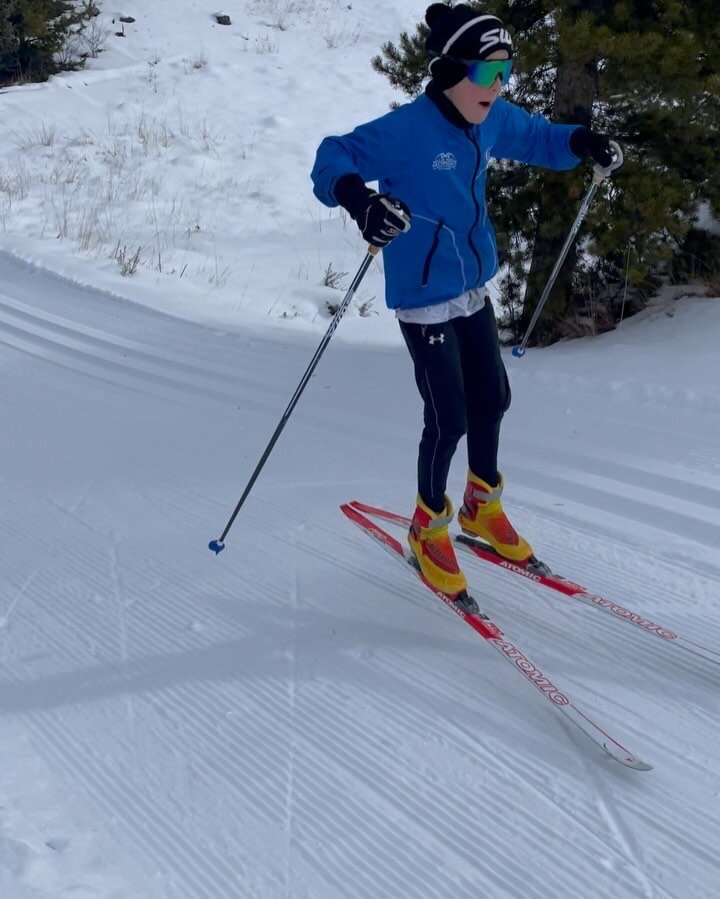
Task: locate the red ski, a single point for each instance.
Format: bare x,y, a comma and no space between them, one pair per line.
541,574
495,637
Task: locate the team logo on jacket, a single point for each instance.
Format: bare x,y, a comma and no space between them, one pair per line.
444,162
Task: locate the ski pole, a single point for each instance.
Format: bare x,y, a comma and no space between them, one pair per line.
599,175
218,546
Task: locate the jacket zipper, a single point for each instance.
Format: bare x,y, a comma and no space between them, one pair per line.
471,136
431,253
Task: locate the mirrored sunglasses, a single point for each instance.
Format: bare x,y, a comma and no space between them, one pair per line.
485,72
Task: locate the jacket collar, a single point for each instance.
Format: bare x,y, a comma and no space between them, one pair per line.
446,107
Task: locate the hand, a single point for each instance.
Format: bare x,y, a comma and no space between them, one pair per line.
380,217
585,143
383,219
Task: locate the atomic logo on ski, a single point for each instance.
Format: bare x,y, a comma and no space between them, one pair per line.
489,631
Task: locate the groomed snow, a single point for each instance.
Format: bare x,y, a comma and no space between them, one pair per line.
296,718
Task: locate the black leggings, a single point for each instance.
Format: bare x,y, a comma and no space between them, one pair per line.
464,386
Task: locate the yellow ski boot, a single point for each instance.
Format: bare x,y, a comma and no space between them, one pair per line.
482,515
430,542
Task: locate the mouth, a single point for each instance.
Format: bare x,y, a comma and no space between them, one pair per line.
485,104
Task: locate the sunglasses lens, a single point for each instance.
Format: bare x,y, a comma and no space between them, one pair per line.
485,73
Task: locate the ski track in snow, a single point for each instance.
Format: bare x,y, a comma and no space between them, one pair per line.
296,718
292,706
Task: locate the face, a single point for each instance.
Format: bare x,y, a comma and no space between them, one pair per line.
472,101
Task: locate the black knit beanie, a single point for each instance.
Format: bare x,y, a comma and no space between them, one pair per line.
461,32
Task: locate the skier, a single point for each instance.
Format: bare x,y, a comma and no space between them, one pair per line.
430,157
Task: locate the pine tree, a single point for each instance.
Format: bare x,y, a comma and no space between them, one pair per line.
647,73
8,39
32,32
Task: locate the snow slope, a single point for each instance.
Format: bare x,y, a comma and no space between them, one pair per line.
295,718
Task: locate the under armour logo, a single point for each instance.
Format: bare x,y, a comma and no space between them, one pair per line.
436,338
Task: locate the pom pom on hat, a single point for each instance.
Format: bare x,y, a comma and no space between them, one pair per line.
435,11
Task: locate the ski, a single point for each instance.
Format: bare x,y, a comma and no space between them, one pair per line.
495,637
539,573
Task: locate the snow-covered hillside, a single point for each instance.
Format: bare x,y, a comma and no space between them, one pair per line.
192,142
297,717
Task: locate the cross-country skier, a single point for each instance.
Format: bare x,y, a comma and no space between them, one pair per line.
430,157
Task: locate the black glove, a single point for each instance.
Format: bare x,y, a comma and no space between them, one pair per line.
380,217
585,143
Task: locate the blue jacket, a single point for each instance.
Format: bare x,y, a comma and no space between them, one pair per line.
426,160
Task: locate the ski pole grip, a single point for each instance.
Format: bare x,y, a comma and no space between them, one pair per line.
401,214
601,172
